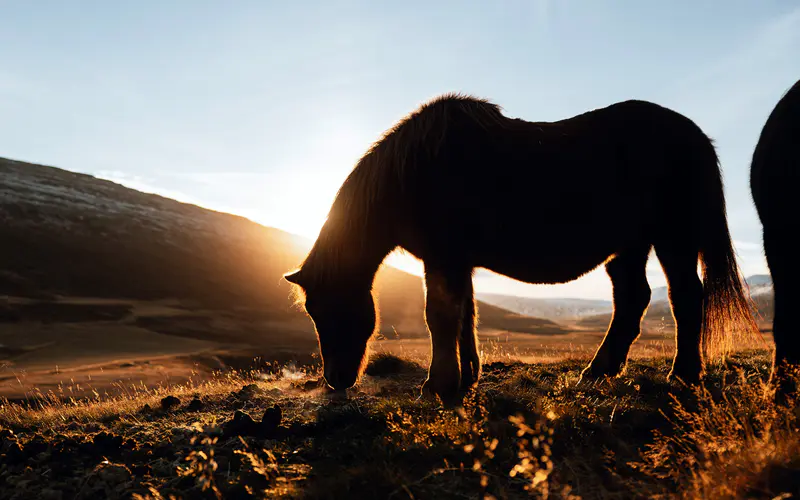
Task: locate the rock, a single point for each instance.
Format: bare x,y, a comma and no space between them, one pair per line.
107,444
195,405
169,402
272,418
107,480
242,424
113,474
249,391
312,385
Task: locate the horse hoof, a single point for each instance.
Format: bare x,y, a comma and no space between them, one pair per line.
593,373
449,396
692,377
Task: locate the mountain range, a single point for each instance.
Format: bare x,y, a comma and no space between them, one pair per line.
599,311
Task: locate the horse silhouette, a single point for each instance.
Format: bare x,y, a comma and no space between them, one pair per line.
460,185
774,180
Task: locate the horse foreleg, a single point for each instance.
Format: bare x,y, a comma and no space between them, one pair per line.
444,315
631,298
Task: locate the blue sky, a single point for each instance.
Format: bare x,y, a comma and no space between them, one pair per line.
261,107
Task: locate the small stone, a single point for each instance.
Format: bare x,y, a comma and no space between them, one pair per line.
249,391
272,418
242,424
195,405
106,443
312,385
169,402
113,474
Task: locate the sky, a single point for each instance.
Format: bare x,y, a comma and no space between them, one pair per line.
261,108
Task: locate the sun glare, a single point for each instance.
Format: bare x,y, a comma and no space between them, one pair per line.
405,262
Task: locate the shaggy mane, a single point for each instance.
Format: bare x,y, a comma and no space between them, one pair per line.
382,173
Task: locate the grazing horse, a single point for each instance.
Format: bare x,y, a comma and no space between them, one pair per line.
774,183
459,185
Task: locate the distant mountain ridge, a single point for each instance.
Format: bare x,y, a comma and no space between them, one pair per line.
555,309
596,312
758,284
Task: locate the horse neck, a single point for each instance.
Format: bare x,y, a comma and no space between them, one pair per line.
349,256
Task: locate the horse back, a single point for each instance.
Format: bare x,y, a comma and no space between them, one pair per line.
775,167
546,189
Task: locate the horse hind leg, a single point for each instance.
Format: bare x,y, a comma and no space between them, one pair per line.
445,294
468,342
631,298
679,263
785,275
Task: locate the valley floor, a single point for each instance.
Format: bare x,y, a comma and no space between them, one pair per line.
527,430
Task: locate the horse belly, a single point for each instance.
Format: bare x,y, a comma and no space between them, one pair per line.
545,262
546,241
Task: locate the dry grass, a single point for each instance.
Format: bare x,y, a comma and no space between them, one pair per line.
527,431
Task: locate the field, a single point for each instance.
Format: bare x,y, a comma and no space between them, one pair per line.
528,430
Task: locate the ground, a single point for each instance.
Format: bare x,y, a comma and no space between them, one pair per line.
527,430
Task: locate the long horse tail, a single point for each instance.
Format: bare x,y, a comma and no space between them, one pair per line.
727,306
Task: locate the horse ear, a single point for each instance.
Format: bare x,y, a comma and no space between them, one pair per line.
295,277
